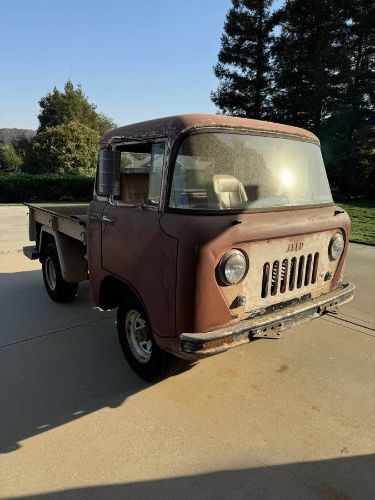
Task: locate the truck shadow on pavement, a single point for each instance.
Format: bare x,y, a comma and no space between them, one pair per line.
334,479
57,362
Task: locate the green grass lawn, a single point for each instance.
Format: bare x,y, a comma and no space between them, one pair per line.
362,214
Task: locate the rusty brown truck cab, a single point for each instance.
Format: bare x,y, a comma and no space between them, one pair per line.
208,231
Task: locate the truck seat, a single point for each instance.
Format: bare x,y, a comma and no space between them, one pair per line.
229,191
134,187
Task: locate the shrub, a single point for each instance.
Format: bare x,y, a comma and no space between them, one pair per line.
17,188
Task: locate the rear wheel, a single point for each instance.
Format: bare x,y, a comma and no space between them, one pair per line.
138,343
57,288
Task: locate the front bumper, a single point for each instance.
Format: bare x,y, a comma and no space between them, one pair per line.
198,345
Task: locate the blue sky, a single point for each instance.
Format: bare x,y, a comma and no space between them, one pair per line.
135,59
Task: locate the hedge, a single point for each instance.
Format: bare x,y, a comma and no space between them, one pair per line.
18,188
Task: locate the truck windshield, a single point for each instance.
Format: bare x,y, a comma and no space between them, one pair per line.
236,171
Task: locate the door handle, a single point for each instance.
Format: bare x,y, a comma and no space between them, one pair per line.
94,216
107,219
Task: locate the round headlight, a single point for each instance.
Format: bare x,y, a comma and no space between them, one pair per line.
232,267
336,246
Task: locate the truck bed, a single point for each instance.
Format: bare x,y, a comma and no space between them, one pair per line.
67,219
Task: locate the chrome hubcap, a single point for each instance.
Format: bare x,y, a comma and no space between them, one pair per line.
50,273
138,335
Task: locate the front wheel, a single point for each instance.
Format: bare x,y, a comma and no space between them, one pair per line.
57,288
138,344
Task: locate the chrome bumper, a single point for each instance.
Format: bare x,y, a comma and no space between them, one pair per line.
198,345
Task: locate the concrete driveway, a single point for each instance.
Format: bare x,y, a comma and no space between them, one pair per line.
290,418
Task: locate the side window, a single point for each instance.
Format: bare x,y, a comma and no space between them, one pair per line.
141,172
156,173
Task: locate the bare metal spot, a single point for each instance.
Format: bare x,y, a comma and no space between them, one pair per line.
282,369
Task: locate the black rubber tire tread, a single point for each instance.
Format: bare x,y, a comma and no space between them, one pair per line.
64,291
160,362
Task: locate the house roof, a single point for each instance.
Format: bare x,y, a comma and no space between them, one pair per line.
171,126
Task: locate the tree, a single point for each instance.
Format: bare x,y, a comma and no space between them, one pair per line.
71,105
244,65
310,68
10,160
22,145
70,148
315,70
349,133
360,46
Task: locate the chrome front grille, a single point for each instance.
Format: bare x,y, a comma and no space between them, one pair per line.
289,274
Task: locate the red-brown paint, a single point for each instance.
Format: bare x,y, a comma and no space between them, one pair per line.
169,259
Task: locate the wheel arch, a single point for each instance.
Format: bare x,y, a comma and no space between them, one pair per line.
113,290
45,236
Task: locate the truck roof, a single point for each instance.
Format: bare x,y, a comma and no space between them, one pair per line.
171,126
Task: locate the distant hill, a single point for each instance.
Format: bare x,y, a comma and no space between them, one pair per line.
9,134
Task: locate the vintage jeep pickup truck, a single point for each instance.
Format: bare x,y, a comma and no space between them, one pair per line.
205,232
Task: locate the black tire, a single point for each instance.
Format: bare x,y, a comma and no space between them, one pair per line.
58,289
159,362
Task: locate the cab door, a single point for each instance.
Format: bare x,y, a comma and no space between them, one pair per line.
134,248
129,222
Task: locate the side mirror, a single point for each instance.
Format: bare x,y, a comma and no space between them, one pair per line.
109,173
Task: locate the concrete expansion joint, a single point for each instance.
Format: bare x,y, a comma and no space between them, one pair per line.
61,330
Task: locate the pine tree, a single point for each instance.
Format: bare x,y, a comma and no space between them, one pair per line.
360,42
243,66
310,67
350,131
